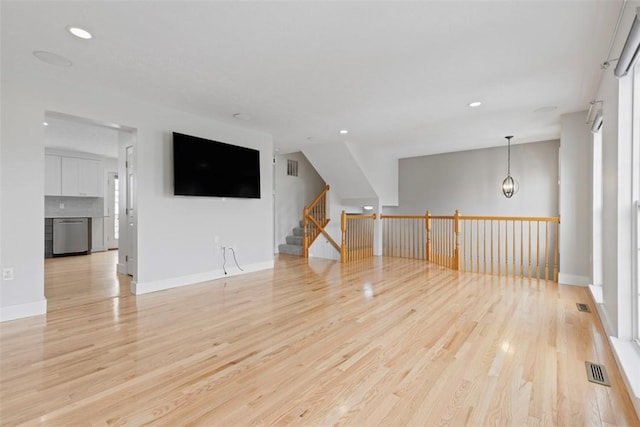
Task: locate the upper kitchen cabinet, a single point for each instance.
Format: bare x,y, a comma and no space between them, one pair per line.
52,175
72,176
80,177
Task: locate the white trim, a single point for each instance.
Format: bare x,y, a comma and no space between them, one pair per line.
572,279
628,358
596,294
121,268
20,311
175,282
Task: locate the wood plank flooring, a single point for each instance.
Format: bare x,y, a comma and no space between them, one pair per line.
383,342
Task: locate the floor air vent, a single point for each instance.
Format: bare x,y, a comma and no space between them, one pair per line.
597,374
583,307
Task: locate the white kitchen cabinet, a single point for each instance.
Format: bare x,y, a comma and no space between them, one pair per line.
97,235
52,175
80,177
89,174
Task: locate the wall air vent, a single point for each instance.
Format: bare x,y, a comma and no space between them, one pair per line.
292,167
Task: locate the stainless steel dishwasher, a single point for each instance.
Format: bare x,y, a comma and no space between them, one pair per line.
70,236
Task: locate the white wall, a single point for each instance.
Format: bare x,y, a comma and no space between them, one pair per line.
381,171
293,193
471,182
175,234
337,165
575,206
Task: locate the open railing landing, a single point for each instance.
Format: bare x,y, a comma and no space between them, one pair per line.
500,245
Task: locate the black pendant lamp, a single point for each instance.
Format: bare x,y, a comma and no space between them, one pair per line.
509,185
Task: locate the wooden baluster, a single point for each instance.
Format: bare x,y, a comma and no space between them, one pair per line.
499,240
484,246
343,228
456,229
477,246
513,243
427,223
506,248
521,251
555,252
538,250
546,251
491,222
529,250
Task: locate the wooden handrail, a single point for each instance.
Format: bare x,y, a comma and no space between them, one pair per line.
319,197
383,216
511,218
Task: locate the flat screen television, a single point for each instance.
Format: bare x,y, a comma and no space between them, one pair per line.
202,167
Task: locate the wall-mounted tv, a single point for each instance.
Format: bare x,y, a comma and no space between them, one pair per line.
202,167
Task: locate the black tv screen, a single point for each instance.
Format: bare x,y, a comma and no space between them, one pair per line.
202,167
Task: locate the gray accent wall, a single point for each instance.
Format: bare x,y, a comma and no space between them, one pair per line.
471,182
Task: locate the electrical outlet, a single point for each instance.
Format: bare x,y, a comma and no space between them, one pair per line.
7,273
61,205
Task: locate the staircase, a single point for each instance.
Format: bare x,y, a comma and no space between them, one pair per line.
294,242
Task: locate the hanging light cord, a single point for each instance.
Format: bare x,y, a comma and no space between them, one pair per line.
509,155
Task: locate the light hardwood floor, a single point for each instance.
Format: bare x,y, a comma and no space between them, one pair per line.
380,342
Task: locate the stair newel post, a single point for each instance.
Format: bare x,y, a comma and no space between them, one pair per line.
305,233
427,224
343,229
456,230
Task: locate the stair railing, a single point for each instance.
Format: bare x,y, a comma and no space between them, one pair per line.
314,221
525,247
357,236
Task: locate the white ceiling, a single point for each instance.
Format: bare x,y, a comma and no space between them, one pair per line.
398,75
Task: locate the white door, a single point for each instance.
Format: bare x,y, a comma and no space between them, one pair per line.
112,217
130,213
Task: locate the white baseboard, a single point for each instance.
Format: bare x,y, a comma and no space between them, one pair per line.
574,280
20,311
121,268
176,282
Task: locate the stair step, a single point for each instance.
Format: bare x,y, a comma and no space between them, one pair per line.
298,231
294,240
290,249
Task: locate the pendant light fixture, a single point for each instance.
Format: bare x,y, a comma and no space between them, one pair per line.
509,185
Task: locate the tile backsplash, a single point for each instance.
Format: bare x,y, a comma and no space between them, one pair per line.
92,207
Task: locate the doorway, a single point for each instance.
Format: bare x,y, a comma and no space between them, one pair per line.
79,279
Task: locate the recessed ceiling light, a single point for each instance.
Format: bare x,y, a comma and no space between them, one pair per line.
344,131
475,104
241,116
45,123
52,58
81,33
367,207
